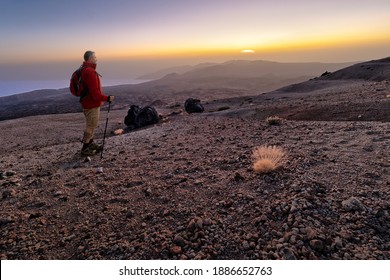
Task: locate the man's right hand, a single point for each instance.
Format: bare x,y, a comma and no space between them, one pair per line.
111,98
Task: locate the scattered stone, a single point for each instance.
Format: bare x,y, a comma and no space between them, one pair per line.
5,221
10,173
119,131
346,234
42,221
148,192
70,237
191,225
294,208
87,159
347,256
207,222
58,193
7,174
129,214
133,184
338,242
317,245
353,204
99,170
34,215
245,245
63,199
179,240
288,254
199,223
80,248
176,250
238,177
223,108
8,193
311,233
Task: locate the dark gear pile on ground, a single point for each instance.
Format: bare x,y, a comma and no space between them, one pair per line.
192,105
138,117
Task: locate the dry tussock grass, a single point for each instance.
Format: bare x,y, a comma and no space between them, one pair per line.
268,158
274,120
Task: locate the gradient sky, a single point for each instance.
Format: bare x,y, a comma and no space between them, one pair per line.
191,31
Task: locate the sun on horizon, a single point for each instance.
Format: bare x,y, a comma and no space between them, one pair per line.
248,51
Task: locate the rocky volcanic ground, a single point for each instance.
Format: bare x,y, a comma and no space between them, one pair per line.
185,188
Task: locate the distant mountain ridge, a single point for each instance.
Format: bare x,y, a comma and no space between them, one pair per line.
254,77
247,69
212,82
259,68
176,70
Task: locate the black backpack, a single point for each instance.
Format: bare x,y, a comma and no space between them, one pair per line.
193,106
132,114
139,117
147,116
76,86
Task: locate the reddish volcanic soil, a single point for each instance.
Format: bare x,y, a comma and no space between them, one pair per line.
185,188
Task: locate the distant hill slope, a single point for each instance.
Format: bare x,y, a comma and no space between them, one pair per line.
38,102
375,70
357,93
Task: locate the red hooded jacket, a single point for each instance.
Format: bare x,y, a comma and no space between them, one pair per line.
91,80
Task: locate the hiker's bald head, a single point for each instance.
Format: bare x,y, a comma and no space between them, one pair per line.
88,55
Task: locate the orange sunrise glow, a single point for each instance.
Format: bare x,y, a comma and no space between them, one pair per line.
194,32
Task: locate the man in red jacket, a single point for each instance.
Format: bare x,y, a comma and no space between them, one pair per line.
92,102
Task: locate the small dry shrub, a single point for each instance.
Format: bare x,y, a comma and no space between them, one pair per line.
268,158
274,120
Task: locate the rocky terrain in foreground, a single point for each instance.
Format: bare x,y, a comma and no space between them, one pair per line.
185,187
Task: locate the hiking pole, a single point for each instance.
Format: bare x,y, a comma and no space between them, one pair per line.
105,129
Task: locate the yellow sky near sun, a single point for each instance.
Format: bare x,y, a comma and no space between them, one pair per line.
214,34
229,46
223,46
341,31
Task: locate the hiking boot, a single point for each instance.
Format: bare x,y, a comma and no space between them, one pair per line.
88,151
95,147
